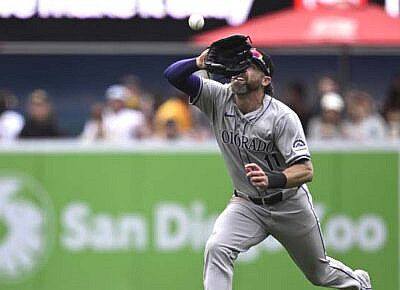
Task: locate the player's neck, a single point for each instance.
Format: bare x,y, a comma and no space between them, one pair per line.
249,102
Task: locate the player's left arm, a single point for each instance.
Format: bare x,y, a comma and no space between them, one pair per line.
295,175
299,173
290,141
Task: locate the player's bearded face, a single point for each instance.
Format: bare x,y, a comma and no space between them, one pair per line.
247,81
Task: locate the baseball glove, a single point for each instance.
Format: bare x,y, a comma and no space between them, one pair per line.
229,56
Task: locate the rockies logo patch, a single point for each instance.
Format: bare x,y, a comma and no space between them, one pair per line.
299,145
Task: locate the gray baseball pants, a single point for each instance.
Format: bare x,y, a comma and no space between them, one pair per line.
292,222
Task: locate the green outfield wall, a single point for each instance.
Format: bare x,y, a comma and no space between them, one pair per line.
139,220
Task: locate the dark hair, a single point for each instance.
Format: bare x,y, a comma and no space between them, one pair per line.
269,90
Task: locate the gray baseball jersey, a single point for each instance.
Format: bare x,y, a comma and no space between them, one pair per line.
271,136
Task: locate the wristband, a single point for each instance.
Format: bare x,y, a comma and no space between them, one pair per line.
276,180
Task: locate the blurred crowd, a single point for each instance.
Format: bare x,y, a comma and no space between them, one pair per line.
126,112
129,112
350,114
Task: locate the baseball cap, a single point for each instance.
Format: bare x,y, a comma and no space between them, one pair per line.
263,61
332,101
117,92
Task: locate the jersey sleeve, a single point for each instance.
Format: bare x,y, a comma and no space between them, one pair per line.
290,139
211,95
181,75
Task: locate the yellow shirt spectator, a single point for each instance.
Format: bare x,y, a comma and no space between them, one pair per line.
173,109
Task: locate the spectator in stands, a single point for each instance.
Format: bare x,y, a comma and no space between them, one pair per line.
140,100
94,127
40,119
135,92
121,123
326,84
171,130
296,99
362,122
391,108
175,109
328,125
11,122
147,107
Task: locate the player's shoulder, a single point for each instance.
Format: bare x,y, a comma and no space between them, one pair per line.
281,107
281,110
214,83
215,88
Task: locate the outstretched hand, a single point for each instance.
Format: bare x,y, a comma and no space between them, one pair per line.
256,175
201,58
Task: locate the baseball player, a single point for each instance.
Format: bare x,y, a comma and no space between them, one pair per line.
267,157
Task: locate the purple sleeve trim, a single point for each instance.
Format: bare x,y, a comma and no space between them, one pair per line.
180,75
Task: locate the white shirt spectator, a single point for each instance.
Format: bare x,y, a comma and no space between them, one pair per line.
11,124
363,123
372,127
92,131
328,125
122,125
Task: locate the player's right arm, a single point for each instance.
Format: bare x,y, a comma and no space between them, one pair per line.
180,74
206,94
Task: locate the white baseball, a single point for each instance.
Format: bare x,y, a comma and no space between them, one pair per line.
196,21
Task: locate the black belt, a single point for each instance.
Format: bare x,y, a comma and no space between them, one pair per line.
269,200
